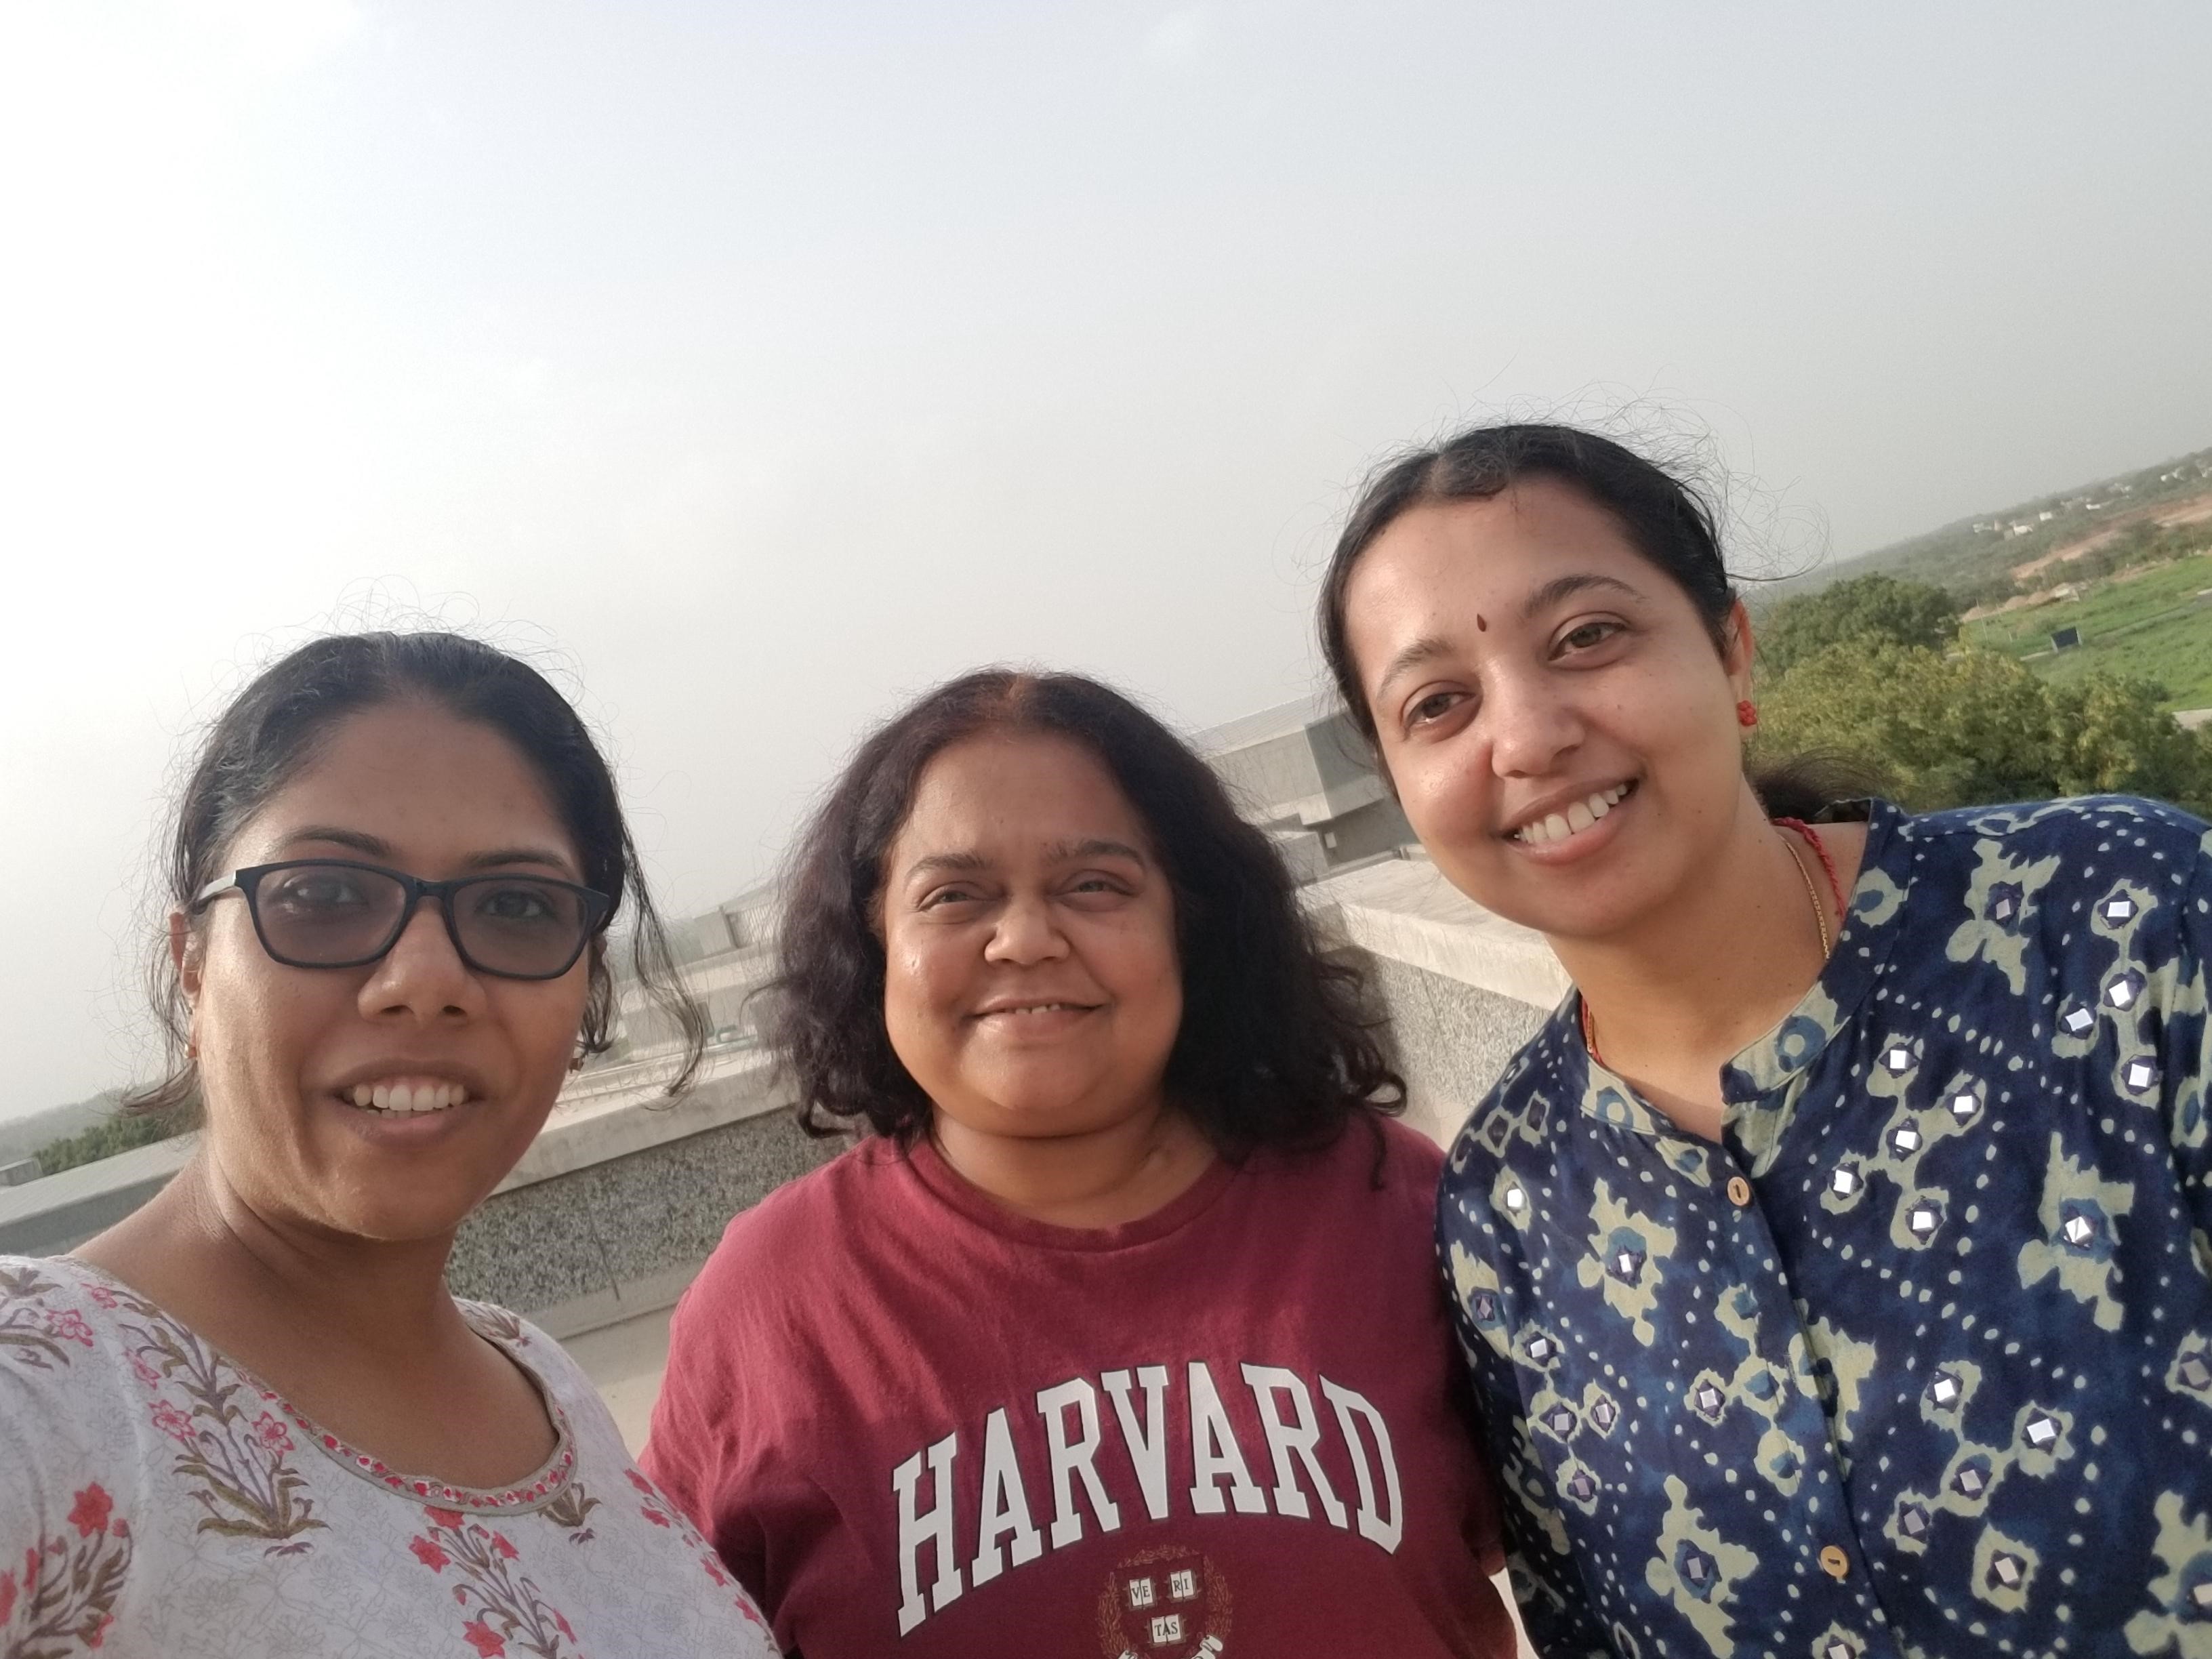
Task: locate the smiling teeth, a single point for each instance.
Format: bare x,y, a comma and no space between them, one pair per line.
1578,817
403,1098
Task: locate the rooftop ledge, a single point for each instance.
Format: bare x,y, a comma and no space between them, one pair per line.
1404,910
601,1115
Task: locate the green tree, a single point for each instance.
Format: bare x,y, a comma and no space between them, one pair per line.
116,1134
1871,608
2112,733
1970,727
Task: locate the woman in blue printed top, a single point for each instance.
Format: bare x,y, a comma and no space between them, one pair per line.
1836,1264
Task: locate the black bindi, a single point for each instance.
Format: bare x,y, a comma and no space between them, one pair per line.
1481,624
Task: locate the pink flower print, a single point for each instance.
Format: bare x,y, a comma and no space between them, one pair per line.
272,1433
484,1639
7,1596
429,1553
68,1325
93,1506
144,1372
642,1484
449,1519
98,1636
174,1424
655,1516
559,1620
499,1542
100,1294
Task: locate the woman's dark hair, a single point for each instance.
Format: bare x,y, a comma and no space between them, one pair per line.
273,728
1667,520
1276,1046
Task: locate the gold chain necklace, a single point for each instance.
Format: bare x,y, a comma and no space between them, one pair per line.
1812,894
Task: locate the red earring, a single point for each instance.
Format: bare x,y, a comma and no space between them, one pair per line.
1747,714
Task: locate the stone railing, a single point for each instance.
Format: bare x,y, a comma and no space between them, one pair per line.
608,1215
1464,989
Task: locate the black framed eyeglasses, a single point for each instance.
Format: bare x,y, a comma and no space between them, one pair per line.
335,912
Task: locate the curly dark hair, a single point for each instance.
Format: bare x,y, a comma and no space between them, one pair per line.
1277,1046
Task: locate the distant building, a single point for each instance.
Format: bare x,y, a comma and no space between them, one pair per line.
725,955
1302,772
21,1170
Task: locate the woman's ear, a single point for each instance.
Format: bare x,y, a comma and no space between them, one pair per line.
1736,648
184,954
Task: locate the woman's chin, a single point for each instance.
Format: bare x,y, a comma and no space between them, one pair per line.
1040,1111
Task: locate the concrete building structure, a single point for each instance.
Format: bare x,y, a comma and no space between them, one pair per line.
1302,772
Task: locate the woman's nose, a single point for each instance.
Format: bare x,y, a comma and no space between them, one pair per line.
1026,932
1530,726
422,973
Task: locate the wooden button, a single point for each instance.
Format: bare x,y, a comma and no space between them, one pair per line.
1834,1562
1739,1192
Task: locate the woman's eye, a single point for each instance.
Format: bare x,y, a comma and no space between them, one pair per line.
516,904
318,893
1584,636
1432,708
943,896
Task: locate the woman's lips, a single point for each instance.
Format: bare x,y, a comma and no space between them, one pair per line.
1572,819
405,1097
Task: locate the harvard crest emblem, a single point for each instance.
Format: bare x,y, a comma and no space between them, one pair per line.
1165,1603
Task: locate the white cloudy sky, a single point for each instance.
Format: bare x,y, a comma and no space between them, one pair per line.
766,362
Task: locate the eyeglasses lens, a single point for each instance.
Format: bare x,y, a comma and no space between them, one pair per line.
513,925
319,914
325,915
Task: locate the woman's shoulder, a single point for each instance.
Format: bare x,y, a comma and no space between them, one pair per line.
70,1339
2121,827
60,1325
810,1224
1551,1067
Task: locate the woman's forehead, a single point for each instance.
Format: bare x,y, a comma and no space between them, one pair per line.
1025,794
417,779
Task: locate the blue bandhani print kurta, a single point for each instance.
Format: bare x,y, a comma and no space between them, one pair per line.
1916,1360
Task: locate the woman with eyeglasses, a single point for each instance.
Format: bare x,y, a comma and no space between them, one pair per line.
1833,1264
1117,1333
249,1419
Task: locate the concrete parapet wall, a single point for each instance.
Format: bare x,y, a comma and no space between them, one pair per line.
608,1215
1464,989
624,1235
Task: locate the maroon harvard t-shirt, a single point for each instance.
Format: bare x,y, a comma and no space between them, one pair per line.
914,1424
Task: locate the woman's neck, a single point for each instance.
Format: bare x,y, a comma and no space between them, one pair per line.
270,1292
1676,997
1100,1178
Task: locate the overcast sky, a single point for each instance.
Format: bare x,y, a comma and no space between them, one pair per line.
762,363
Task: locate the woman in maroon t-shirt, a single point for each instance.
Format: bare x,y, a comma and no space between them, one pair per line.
1121,1330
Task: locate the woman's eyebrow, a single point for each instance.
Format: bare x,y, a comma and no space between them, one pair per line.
506,855
360,841
960,863
1420,651
1565,587
376,847
1094,847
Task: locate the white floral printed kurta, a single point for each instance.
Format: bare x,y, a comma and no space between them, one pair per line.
155,1499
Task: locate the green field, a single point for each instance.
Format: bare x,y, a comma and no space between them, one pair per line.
2156,625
